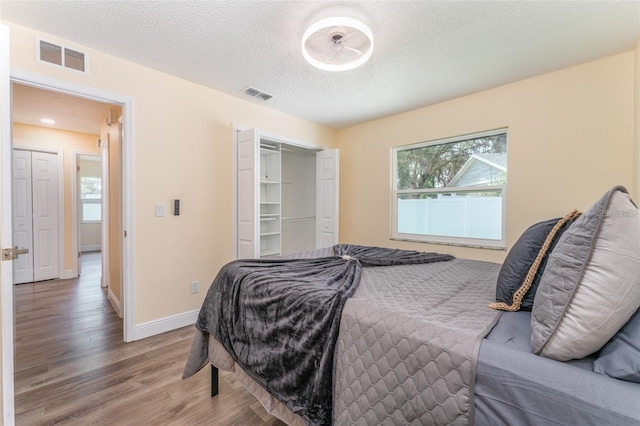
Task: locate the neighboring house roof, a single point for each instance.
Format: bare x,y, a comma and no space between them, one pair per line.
495,161
499,161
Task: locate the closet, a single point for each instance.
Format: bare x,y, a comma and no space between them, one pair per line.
35,215
287,195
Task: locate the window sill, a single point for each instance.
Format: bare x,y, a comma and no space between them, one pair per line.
499,247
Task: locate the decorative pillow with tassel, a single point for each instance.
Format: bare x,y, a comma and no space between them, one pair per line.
521,271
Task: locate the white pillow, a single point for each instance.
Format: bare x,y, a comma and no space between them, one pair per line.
591,285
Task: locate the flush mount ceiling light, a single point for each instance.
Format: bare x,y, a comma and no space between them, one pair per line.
337,44
47,121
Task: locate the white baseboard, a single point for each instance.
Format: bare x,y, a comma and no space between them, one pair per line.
96,247
115,303
163,325
67,274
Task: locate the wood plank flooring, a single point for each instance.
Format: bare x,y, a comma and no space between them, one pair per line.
72,366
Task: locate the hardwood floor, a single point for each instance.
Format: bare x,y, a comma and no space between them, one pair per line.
72,367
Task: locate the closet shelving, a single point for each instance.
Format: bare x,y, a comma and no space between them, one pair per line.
270,199
286,195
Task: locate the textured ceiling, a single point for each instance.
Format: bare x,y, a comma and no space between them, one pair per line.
425,51
70,113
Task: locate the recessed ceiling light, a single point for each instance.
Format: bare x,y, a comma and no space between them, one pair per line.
47,121
337,44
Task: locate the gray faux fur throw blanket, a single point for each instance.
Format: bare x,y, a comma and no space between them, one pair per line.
279,320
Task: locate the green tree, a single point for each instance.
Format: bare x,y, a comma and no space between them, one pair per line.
90,186
434,166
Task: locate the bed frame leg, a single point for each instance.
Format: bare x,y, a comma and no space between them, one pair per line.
214,381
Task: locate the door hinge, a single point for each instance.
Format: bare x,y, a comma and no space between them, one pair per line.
77,168
125,234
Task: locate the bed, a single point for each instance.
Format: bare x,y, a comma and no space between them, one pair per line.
410,337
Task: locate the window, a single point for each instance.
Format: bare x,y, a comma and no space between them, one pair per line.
91,198
452,191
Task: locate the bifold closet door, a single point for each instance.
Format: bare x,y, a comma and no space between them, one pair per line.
36,215
327,208
247,196
22,216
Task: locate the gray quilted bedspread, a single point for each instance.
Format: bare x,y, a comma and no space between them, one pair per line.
279,319
408,344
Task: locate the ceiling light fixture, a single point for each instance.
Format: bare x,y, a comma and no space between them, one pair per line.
47,121
337,44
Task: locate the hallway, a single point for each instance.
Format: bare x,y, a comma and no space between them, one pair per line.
62,328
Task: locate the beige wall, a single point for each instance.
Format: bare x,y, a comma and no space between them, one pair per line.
41,137
570,138
182,148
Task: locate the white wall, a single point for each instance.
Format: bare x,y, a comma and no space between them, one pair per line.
298,201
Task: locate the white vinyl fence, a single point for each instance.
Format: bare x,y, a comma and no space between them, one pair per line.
465,216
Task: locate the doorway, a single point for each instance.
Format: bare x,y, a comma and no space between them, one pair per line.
88,183
117,138
69,137
286,195
49,121
7,77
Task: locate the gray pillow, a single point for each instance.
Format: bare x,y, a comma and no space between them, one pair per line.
620,358
521,258
591,285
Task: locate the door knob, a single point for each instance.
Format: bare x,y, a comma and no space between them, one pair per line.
18,251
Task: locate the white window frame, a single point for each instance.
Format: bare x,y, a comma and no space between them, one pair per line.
439,239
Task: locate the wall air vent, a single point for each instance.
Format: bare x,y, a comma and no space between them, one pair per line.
255,93
61,56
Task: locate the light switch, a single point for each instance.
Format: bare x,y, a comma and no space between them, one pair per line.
159,210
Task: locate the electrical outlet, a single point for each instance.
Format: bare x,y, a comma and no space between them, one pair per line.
159,210
195,287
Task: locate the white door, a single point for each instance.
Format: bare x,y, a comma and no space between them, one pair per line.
247,194
104,149
327,169
22,216
6,236
35,215
44,171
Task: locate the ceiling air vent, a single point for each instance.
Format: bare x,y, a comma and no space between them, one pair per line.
255,93
61,56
